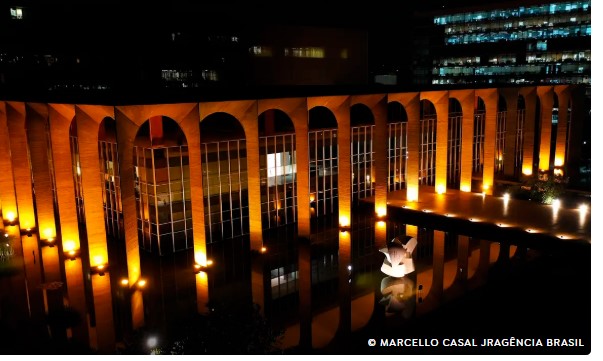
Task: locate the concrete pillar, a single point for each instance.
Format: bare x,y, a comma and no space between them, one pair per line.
297,110
105,332
411,103
189,122
546,95
61,117
15,115
510,96
126,132
36,124
490,98
529,95
563,96
8,200
88,120
440,102
467,100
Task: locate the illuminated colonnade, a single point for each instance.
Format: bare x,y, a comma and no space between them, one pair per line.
34,141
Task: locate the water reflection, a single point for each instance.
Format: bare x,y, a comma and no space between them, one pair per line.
317,290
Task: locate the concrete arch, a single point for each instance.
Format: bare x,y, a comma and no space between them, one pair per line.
321,117
297,110
282,123
411,104
396,112
361,114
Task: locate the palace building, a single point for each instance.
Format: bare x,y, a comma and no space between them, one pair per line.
165,178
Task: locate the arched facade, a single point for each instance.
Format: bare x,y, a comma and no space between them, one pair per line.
236,168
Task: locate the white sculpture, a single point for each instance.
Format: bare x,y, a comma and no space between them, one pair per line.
398,257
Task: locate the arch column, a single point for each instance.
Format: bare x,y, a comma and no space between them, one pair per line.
490,98
126,132
529,96
546,94
340,107
60,117
88,119
467,100
563,96
36,124
8,200
15,115
510,95
411,103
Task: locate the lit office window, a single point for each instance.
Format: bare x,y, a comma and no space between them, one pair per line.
225,187
324,162
162,187
278,169
501,131
455,123
308,52
361,152
16,13
479,125
427,153
260,50
397,154
109,173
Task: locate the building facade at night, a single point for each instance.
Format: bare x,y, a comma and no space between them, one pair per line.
165,178
532,42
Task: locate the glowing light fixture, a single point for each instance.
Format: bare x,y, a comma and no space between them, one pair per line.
441,189
141,283
10,216
124,282
263,249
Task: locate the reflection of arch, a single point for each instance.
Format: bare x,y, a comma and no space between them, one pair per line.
455,138
397,120
323,161
362,153
109,168
162,186
501,130
479,127
278,173
225,190
427,153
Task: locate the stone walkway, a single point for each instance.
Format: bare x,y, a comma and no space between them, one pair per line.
518,215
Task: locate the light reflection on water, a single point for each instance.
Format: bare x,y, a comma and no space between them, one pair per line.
315,290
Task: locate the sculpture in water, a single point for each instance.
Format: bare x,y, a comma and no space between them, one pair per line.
398,257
